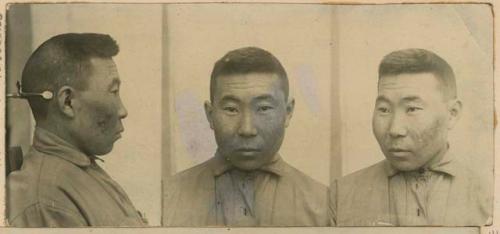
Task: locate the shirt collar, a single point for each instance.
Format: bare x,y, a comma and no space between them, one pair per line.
447,165
51,144
222,165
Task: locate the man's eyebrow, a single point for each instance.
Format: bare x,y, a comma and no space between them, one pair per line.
382,98
265,97
412,98
405,99
230,97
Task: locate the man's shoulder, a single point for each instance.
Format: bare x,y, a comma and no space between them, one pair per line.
364,175
466,171
40,181
36,169
480,184
194,172
300,179
309,197
191,179
186,192
360,197
40,168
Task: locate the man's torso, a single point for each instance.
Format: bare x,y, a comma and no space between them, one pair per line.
50,191
293,199
363,199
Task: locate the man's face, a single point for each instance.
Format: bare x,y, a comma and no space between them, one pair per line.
411,119
100,110
249,115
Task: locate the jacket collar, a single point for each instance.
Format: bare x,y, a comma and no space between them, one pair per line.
448,165
51,144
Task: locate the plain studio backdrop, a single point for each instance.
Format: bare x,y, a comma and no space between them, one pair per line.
331,54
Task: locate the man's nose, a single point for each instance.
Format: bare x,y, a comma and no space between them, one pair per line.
398,125
247,126
122,111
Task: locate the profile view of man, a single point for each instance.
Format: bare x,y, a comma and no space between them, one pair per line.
422,180
60,184
246,183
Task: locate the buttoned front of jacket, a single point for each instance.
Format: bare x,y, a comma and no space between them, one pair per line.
288,198
380,196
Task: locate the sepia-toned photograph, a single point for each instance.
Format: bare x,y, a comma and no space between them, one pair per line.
249,115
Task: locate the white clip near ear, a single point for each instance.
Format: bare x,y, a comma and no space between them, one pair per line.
47,95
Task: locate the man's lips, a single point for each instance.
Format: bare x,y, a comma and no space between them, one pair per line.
118,134
399,152
248,151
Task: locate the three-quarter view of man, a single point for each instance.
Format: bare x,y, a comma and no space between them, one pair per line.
422,181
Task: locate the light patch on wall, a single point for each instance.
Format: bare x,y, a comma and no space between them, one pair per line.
308,87
193,126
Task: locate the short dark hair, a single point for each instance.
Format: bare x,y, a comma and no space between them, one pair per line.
420,61
63,60
245,61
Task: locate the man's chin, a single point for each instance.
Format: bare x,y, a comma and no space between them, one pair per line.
248,161
247,165
404,166
103,151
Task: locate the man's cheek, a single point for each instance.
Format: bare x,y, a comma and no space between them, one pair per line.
270,124
379,130
223,138
226,128
432,134
105,118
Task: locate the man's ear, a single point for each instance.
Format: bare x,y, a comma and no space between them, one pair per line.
65,101
289,111
208,112
455,111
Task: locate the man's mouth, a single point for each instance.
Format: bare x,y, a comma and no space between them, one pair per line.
248,151
399,152
118,134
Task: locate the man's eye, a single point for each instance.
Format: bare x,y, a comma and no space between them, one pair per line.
383,110
264,108
115,92
412,109
230,109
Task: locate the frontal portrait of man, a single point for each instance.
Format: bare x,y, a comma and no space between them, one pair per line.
422,181
72,85
247,182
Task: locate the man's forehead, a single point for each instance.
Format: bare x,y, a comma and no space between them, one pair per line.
419,83
103,74
104,66
256,85
408,80
255,78
108,63
409,87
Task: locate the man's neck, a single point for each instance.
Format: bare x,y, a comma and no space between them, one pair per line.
59,130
